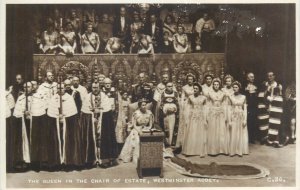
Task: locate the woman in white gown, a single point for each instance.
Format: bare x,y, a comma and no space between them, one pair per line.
121,125
185,108
49,39
114,46
228,91
238,122
141,119
180,40
145,45
217,134
195,134
90,41
68,39
207,85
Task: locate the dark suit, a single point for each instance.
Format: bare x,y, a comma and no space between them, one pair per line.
252,124
156,36
124,34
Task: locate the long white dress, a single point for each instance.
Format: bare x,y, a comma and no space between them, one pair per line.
228,92
206,89
187,91
121,126
131,148
238,129
217,134
195,137
185,108
181,126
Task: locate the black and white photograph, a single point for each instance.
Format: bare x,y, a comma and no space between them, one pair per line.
139,95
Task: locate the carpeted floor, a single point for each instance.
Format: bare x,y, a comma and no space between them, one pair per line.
280,162
217,170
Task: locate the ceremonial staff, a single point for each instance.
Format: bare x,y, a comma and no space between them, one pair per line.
61,125
97,113
26,113
26,97
60,94
26,91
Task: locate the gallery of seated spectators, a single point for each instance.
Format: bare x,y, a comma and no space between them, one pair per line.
248,36
132,47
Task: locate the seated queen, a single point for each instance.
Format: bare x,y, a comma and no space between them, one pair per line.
142,120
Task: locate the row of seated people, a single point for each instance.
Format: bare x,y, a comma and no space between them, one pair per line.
126,35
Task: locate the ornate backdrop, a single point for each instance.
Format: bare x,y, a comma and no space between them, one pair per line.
127,67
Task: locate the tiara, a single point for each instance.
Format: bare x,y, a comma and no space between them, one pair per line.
216,80
236,83
228,76
190,75
143,100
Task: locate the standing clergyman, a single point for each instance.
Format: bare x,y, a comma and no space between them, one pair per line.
38,134
48,88
160,88
10,104
75,94
90,113
169,113
22,128
62,110
97,103
251,96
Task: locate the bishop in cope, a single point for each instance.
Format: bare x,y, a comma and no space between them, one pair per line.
62,110
98,117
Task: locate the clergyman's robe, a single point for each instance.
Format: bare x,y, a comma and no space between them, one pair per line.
66,140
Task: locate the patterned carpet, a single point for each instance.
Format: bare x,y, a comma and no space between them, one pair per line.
218,170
